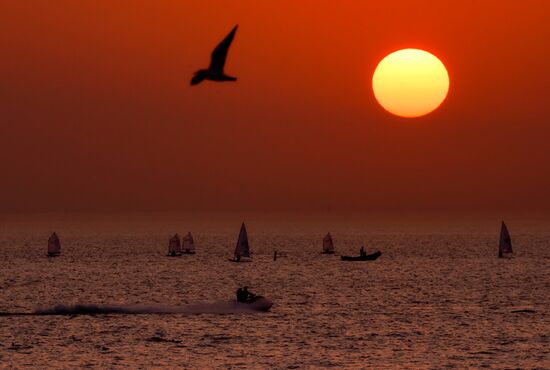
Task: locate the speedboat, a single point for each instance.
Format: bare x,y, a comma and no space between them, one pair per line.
256,303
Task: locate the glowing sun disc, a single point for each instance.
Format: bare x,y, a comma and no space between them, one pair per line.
410,82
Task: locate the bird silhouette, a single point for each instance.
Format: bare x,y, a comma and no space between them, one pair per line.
217,61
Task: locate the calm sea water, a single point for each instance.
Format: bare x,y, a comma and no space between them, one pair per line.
437,298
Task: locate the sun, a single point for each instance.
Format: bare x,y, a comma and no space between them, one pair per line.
410,83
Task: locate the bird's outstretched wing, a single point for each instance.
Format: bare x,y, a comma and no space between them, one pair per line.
219,54
197,79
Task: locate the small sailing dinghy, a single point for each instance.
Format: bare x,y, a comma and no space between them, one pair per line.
54,246
188,244
328,245
242,249
505,243
174,246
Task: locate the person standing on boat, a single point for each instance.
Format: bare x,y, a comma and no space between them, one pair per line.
362,252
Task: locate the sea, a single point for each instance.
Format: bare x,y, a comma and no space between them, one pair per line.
437,298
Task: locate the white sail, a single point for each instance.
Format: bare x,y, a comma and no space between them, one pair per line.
174,246
188,243
242,249
328,245
505,243
54,245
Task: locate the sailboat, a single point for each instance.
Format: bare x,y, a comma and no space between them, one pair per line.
54,246
505,243
188,244
328,245
242,249
174,246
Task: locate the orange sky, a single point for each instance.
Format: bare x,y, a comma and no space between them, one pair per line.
97,112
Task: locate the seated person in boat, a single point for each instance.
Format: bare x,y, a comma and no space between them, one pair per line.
249,295
243,295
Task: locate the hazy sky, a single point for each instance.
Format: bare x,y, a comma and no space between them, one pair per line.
96,111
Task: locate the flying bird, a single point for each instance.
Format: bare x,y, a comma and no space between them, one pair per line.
217,61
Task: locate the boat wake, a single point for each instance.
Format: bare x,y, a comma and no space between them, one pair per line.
219,308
